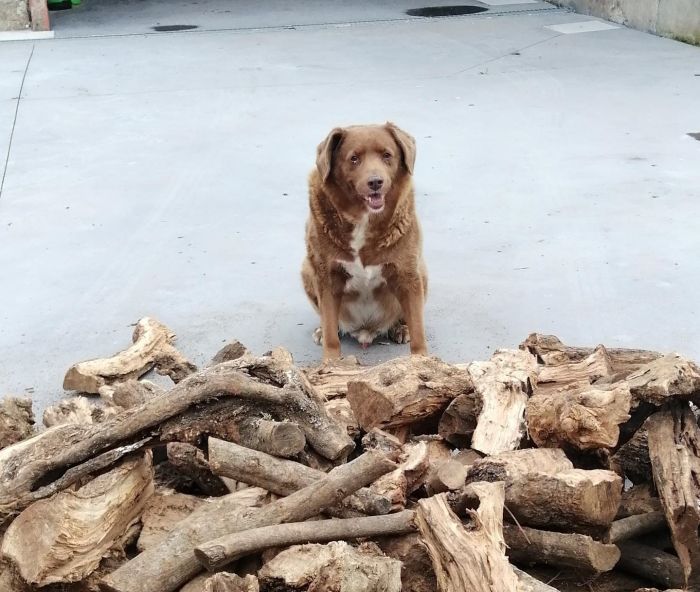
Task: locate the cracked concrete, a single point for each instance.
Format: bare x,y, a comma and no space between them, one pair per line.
164,174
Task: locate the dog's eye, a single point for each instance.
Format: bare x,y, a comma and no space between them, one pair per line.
354,159
387,156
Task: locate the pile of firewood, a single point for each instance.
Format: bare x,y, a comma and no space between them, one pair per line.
545,468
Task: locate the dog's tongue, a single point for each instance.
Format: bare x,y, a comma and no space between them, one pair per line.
375,201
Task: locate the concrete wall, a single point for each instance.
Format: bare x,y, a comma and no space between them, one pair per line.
678,19
14,15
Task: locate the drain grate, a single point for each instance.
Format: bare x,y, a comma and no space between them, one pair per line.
175,27
435,11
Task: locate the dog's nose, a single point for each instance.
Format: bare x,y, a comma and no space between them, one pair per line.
375,183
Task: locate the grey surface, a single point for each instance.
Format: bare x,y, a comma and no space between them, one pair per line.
165,175
14,15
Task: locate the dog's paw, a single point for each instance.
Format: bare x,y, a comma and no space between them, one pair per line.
317,336
399,333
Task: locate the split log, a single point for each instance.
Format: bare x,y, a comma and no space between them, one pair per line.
78,410
572,499
216,553
16,420
26,463
458,422
583,417
279,438
229,582
281,477
191,461
132,393
632,458
172,563
640,499
336,566
552,352
152,340
405,391
448,476
63,539
595,369
530,546
415,459
331,378
341,411
230,351
464,559
666,378
417,574
527,583
651,564
674,448
635,526
161,514
504,384
385,442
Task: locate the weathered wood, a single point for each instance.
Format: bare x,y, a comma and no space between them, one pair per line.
16,420
632,458
415,459
584,418
468,559
132,393
151,340
336,566
503,384
341,411
331,378
640,499
417,574
595,369
279,438
24,464
377,439
550,351
280,476
634,526
674,449
651,564
229,582
527,583
216,553
172,563
230,351
448,476
404,391
529,546
572,499
77,410
666,378
191,460
458,422
63,539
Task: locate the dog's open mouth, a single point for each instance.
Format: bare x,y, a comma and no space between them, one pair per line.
375,201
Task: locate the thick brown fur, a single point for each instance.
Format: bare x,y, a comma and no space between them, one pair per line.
364,271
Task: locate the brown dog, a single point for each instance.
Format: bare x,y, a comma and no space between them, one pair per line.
364,270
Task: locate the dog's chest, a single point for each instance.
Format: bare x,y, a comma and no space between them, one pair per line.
362,278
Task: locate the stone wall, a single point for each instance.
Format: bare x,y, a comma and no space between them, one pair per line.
677,19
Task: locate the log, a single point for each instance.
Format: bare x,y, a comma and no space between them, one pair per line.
228,582
639,499
63,539
464,559
415,459
651,564
77,410
666,378
132,393
584,418
16,420
279,438
162,512
550,351
632,458
404,391
172,563
458,422
385,442
527,583
448,476
341,411
281,477
595,369
336,566
578,551
230,351
190,460
331,378
151,340
26,463
216,553
417,574
674,449
571,499
635,526
504,384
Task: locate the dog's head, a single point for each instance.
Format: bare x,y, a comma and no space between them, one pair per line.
365,161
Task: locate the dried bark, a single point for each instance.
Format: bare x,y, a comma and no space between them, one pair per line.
417,574
191,461
666,378
639,499
16,420
458,422
78,410
635,526
331,378
632,458
651,564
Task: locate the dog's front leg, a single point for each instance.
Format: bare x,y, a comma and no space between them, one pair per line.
412,300
329,308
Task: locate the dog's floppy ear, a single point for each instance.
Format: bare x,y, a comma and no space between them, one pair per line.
406,143
325,150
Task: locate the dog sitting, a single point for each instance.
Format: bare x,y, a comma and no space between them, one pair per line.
364,271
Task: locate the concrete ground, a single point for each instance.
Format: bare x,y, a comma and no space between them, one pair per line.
164,174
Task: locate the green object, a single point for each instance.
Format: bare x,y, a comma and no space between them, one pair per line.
75,2
58,4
